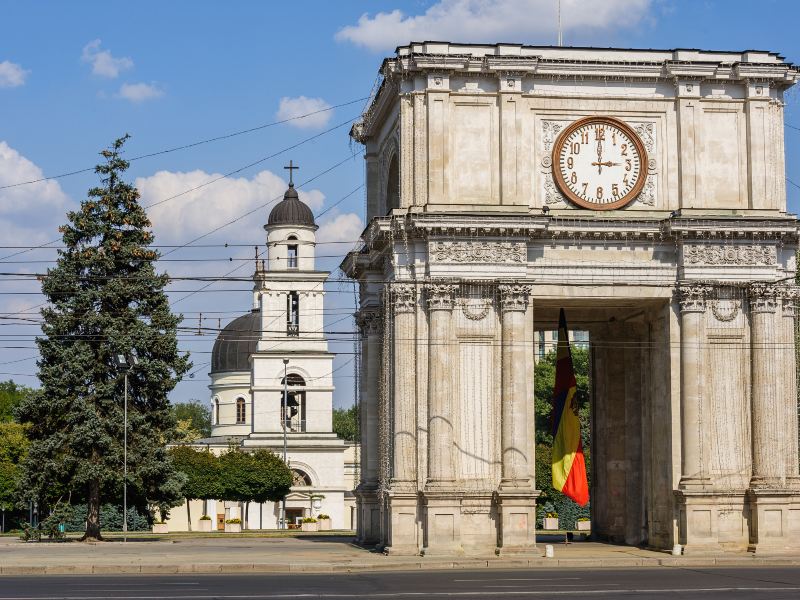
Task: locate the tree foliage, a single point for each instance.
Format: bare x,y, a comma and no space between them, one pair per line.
194,417
345,423
258,476
543,381
11,396
13,448
201,470
104,299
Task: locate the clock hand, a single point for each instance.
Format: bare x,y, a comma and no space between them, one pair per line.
608,163
599,162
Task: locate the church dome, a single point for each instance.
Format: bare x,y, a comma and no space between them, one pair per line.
236,342
291,211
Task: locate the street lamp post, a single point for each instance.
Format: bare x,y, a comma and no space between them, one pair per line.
283,418
124,363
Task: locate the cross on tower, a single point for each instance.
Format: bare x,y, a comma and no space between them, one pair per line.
291,168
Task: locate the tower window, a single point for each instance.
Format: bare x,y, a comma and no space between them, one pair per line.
216,411
294,417
292,314
241,411
291,254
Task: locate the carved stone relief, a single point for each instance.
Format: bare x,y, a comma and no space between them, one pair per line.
475,252
692,296
710,254
440,295
763,297
514,297
404,296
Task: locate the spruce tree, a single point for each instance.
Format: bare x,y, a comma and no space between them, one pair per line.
105,299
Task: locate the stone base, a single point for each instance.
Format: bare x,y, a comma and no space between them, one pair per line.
712,521
403,537
774,520
442,531
368,509
517,511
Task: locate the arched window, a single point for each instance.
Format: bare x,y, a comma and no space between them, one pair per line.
393,185
294,416
241,411
300,478
216,411
291,253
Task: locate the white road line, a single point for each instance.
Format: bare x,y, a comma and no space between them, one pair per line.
487,594
520,579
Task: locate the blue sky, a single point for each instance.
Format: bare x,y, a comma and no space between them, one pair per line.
75,75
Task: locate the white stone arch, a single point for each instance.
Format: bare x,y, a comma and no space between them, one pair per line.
296,371
389,152
307,469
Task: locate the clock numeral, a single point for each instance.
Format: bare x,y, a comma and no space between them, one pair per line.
573,178
575,148
614,190
627,164
600,134
613,138
585,186
584,137
624,149
570,163
599,194
625,180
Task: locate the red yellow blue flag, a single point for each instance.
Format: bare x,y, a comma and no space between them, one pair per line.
569,466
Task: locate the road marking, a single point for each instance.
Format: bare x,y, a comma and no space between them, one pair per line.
522,579
487,594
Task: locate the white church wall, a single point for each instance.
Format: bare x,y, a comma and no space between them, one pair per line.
277,247
226,388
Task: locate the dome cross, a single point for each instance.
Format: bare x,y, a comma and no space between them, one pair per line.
291,167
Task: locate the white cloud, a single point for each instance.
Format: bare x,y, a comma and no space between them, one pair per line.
520,21
345,227
291,108
12,74
103,62
29,214
139,92
198,212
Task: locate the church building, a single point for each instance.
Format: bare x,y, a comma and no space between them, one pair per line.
280,344
642,191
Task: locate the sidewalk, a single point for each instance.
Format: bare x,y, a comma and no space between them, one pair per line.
310,553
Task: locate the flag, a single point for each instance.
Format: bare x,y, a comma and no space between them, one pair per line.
569,467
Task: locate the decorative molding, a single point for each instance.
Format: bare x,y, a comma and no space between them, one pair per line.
476,311
692,296
789,297
369,322
645,131
476,252
404,296
440,295
550,131
514,297
763,297
733,254
725,315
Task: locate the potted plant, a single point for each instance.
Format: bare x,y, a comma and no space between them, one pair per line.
233,525
324,522
584,524
310,524
160,527
205,523
550,520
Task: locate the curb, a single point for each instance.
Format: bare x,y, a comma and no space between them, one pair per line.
407,565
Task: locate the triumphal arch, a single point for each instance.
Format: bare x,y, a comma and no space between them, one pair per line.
641,190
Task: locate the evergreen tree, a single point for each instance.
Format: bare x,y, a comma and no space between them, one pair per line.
345,423
104,299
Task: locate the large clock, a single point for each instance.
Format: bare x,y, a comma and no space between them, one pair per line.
599,163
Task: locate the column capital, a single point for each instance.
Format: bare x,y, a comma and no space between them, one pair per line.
790,295
514,297
440,295
763,297
369,321
692,296
404,297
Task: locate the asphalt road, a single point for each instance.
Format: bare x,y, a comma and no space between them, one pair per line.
762,582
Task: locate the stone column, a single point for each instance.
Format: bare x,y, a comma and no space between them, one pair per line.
694,471
441,362
514,394
442,527
790,297
768,418
368,504
402,495
404,406
772,496
516,498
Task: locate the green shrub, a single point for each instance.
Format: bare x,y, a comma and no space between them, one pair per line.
323,516
309,520
205,518
233,521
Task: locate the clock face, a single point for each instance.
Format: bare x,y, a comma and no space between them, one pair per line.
599,163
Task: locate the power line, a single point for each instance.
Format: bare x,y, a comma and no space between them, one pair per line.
190,145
